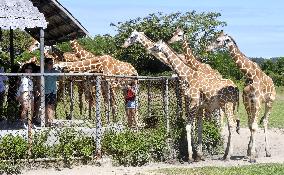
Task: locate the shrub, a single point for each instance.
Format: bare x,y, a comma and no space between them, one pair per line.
40,149
13,147
72,143
212,142
135,148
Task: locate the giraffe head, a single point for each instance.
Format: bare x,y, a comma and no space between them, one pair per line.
133,38
178,35
34,46
223,40
159,47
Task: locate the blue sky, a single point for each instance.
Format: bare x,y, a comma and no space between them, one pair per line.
256,25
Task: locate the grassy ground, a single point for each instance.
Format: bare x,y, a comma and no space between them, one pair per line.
276,119
261,169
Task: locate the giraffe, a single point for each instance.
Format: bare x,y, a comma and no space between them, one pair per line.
190,60
259,89
108,66
203,92
140,37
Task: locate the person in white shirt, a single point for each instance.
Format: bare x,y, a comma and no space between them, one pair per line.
25,95
3,80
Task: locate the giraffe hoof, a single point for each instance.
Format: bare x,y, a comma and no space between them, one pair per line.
268,154
252,160
238,130
225,158
190,161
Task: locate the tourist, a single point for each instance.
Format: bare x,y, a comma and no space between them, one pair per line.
131,105
25,95
50,91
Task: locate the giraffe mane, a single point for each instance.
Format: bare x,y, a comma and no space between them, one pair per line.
233,41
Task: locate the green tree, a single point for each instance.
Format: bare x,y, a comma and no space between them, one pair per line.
22,41
201,27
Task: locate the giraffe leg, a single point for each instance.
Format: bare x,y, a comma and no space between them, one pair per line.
228,109
193,110
252,105
199,154
268,107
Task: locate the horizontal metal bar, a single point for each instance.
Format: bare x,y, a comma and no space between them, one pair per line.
86,74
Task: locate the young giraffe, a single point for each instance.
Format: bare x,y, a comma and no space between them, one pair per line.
193,63
259,89
203,92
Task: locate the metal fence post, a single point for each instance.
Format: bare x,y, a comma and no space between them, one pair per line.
149,98
166,100
42,92
179,98
98,118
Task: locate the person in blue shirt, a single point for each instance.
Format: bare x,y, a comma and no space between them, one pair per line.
50,91
3,80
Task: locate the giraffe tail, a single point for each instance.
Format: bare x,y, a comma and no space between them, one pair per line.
237,109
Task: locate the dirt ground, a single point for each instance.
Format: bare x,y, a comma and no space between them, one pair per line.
276,139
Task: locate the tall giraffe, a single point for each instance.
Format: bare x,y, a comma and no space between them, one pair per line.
259,89
193,63
203,92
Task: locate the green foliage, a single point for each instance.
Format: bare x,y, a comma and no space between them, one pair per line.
40,149
9,168
212,142
135,148
225,65
72,144
275,70
200,26
13,147
22,41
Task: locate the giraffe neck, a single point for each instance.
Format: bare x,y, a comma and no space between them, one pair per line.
79,51
247,67
179,66
190,60
148,44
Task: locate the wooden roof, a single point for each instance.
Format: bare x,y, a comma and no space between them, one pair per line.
62,25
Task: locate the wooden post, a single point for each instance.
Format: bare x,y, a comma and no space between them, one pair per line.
98,119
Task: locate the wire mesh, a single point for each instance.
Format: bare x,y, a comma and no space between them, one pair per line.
85,105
